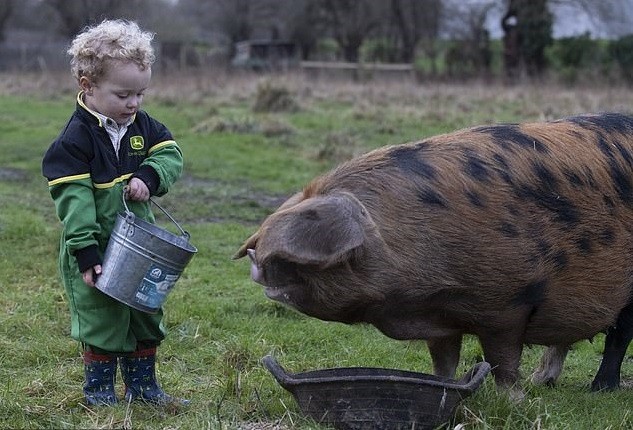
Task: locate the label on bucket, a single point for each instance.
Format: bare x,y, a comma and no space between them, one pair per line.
156,284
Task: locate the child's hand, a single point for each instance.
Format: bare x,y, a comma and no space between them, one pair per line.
137,190
90,275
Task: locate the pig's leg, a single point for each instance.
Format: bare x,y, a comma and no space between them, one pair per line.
615,346
503,352
551,365
445,354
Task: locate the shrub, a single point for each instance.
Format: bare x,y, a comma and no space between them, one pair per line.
622,52
274,98
572,57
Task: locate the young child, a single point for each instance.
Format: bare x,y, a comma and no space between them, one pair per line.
107,144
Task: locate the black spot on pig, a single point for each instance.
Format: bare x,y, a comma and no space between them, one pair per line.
607,237
475,167
622,183
624,153
503,168
604,146
428,196
545,175
508,229
560,259
610,122
562,208
544,248
475,199
408,159
513,210
584,243
609,205
573,178
509,135
591,180
531,295
311,215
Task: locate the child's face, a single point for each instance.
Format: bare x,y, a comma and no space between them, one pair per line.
119,93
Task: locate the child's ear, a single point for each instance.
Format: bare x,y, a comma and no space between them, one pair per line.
86,85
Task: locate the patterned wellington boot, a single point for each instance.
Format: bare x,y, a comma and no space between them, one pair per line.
100,373
139,375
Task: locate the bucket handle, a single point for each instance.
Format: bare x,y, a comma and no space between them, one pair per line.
130,215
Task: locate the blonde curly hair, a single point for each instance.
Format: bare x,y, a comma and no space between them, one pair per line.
94,47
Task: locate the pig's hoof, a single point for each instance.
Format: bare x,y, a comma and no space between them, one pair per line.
543,377
516,394
605,384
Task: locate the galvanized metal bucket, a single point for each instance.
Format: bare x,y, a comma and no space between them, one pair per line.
142,261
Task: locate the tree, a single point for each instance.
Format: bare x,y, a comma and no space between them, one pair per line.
77,14
6,8
305,26
234,17
469,52
415,20
527,25
351,22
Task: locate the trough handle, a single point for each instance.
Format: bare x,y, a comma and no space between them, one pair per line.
128,212
476,376
278,372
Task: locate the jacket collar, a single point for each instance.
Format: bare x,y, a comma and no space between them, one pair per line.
101,119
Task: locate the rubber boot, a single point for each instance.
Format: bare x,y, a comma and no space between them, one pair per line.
139,375
100,373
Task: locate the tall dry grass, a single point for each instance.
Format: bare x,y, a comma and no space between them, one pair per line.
532,100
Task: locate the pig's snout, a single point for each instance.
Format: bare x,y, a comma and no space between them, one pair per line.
256,273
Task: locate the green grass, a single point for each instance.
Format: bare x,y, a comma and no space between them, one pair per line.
240,166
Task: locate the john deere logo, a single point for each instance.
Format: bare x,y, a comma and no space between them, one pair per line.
137,142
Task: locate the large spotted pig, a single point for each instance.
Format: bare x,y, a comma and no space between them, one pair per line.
518,234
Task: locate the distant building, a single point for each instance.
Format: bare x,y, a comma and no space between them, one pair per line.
266,55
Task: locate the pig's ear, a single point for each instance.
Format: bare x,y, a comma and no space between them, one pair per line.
249,244
320,231
252,241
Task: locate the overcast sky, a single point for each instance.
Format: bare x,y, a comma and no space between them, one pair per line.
574,21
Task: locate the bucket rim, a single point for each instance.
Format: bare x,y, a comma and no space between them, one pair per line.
147,227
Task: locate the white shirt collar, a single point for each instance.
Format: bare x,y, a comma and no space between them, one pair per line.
115,131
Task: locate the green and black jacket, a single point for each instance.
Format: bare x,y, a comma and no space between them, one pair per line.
86,178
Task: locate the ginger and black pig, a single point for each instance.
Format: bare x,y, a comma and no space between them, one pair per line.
517,233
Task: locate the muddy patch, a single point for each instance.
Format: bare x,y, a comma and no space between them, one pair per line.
10,174
198,200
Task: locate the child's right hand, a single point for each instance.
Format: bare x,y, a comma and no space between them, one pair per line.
90,275
137,190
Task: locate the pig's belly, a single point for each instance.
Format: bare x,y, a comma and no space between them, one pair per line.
551,331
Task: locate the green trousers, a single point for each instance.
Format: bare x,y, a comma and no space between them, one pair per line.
101,321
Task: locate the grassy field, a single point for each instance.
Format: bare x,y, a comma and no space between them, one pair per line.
249,143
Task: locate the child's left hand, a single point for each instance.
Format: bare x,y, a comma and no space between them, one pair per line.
137,190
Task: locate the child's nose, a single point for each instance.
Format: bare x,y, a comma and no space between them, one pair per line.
134,102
